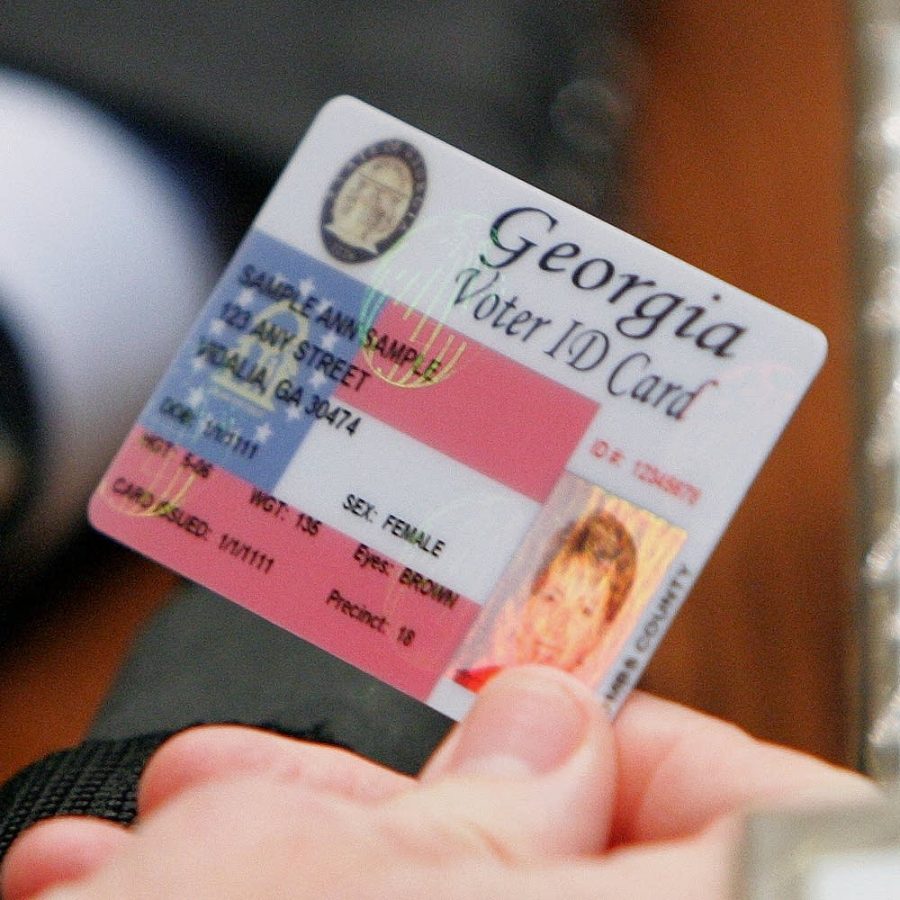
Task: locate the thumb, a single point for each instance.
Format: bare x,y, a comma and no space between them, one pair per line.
529,773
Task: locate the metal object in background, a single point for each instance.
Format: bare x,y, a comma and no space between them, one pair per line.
878,253
851,853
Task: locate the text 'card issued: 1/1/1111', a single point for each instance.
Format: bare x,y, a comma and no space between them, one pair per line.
438,422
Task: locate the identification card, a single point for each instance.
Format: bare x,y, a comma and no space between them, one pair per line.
438,422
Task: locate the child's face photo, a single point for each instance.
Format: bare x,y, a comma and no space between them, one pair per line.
566,613
591,563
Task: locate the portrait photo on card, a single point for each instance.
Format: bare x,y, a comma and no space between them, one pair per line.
589,566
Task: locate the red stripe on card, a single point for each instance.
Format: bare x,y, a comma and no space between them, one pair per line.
263,556
468,402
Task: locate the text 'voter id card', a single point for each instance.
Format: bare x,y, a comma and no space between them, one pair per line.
438,422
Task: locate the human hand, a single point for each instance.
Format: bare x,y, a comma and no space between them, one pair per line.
533,795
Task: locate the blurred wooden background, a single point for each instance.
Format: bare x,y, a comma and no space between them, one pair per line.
744,156
741,166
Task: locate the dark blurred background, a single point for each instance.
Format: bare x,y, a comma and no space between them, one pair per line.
721,134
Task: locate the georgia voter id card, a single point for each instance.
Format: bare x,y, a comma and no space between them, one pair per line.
438,422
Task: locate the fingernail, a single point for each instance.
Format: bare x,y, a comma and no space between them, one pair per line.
527,721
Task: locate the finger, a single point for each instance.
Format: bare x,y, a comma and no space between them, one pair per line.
220,752
56,851
529,773
248,836
680,769
699,868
